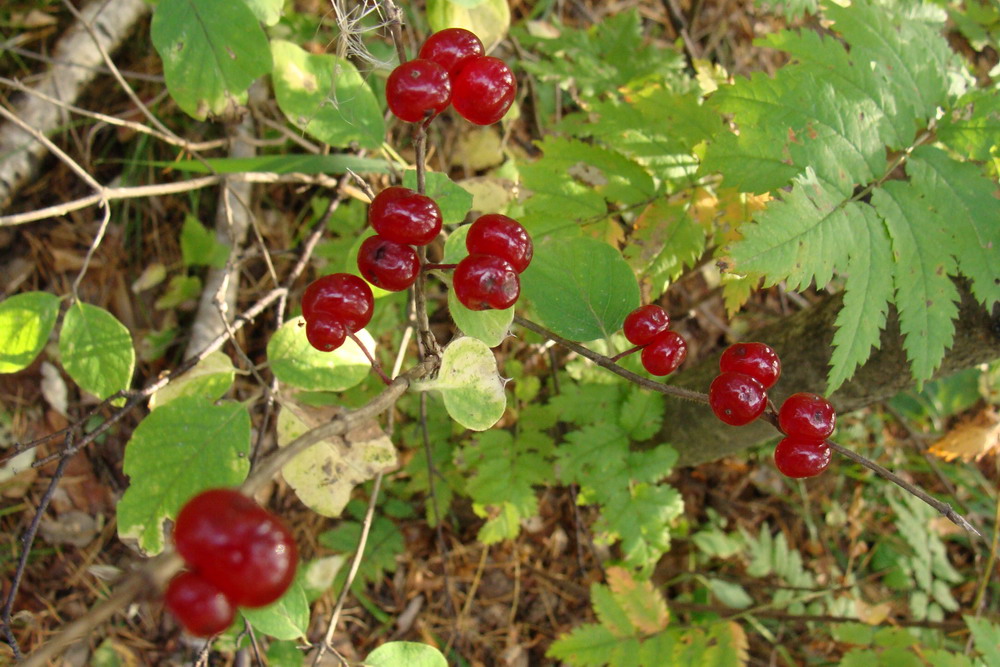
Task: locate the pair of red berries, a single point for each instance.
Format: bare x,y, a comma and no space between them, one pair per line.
335,307
238,555
451,68
738,395
402,218
500,248
663,351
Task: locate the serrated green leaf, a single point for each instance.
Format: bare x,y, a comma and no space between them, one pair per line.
639,598
986,637
730,593
385,543
411,654
26,320
853,633
973,126
503,522
665,240
209,379
641,414
580,288
592,454
925,295
294,361
212,50
177,451
96,350
609,612
651,465
590,645
453,200
326,96
640,517
867,292
286,618
468,380
584,404
487,19
199,246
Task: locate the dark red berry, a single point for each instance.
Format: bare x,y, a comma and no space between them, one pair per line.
325,333
807,416
643,323
737,399
342,296
405,216
198,604
451,48
482,282
387,264
483,90
757,360
498,235
418,90
237,545
801,458
663,354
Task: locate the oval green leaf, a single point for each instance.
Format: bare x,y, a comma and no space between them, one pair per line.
581,288
212,50
294,361
326,96
26,320
287,618
210,378
410,654
178,450
470,384
96,350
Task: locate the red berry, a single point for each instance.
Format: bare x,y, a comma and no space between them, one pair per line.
325,333
387,264
199,605
418,90
405,216
807,417
643,323
664,353
482,282
801,458
483,90
343,297
451,48
237,545
757,360
737,399
500,236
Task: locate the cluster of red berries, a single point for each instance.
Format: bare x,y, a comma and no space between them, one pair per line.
738,395
451,68
335,307
238,555
663,350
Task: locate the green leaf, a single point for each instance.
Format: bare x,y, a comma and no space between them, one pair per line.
267,12
326,96
592,455
488,19
26,320
96,350
385,543
651,465
453,200
580,288
200,246
640,599
281,164
587,404
730,593
973,126
609,612
209,379
470,384
212,50
180,290
986,637
411,654
642,414
177,451
284,654
593,645
294,361
640,517
665,239
286,618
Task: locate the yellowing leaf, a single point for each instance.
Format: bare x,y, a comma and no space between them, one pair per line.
970,440
641,601
871,614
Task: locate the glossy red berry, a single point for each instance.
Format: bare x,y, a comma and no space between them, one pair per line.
663,354
483,90
737,399
418,90
325,333
482,282
451,48
237,545
801,458
498,235
807,417
757,360
199,605
342,296
644,323
405,216
387,264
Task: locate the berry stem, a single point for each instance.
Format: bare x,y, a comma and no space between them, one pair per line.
622,355
375,365
430,266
